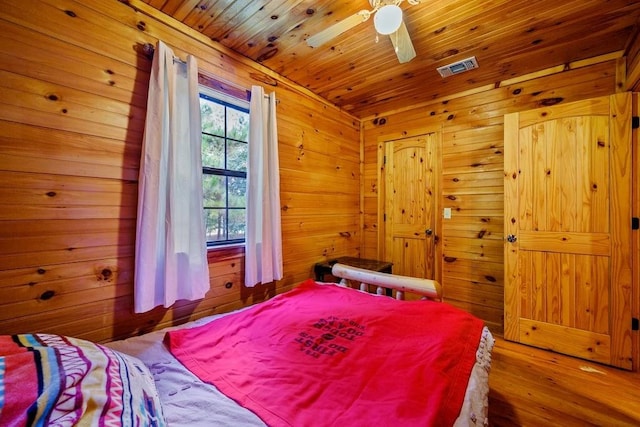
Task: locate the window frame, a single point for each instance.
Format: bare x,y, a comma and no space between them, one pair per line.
229,102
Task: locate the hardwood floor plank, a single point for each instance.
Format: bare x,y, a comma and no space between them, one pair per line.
533,387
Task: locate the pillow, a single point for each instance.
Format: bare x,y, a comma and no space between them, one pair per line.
56,380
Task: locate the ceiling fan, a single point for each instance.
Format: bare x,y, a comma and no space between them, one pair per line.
387,21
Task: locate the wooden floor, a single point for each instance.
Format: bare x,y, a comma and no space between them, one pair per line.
532,387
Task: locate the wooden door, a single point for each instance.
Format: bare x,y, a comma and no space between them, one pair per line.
409,206
568,229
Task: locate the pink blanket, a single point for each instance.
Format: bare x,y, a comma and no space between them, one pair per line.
325,355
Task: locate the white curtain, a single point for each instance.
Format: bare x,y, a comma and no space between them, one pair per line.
263,252
171,255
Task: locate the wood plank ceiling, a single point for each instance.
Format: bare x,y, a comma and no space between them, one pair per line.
509,38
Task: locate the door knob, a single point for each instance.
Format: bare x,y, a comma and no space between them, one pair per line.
511,238
428,232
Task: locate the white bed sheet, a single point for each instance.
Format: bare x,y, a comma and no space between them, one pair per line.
189,402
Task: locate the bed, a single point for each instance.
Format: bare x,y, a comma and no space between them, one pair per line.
321,354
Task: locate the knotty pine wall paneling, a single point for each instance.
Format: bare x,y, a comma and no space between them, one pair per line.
471,161
633,65
74,83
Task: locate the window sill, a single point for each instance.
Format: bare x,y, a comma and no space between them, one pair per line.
217,253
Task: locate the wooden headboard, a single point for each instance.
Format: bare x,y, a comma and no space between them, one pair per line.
428,288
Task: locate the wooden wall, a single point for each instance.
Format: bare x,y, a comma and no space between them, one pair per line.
633,64
470,252
74,84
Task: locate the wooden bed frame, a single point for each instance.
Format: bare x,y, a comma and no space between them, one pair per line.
428,288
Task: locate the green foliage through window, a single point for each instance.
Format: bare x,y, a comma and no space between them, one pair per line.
225,137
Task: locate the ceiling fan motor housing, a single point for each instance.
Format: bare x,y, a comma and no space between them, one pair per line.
388,19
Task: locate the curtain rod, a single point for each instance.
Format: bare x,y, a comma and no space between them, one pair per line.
148,49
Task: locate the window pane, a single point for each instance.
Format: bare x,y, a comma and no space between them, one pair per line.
215,223
237,220
215,191
237,156
212,116
237,192
237,125
212,151
225,133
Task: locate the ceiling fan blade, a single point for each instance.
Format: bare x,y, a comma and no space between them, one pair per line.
402,44
338,28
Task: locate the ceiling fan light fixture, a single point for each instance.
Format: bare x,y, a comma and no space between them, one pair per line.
388,19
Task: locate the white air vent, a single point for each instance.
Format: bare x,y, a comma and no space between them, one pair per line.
458,67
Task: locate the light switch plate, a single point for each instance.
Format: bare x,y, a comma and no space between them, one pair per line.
447,213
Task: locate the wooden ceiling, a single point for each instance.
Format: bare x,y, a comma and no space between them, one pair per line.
509,38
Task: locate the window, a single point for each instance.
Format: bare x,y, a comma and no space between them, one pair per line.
225,137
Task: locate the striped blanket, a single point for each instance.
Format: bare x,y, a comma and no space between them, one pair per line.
54,380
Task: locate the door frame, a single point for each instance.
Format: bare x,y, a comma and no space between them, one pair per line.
635,236
381,179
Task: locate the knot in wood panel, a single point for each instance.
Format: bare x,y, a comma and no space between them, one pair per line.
547,102
267,55
264,79
46,295
105,275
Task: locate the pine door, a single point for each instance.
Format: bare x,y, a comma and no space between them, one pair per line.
568,229
409,206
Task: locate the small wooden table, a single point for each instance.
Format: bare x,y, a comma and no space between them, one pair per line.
322,268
